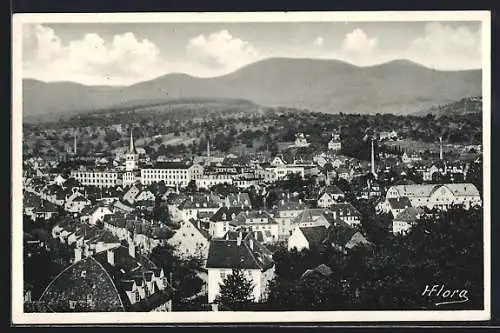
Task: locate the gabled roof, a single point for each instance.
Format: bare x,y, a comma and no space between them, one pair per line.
223,253
84,278
314,235
243,217
321,270
202,231
332,189
200,201
463,189
399,203
226,213
344,209
410,214
289,204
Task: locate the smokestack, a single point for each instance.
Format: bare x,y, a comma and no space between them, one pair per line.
78,254
131,248
111,257
373,161
441,148
74,143
239,238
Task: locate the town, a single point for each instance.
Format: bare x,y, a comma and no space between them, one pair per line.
285,210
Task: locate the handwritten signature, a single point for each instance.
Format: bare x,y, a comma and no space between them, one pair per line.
448,296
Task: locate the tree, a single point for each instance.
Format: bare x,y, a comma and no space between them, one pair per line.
236,291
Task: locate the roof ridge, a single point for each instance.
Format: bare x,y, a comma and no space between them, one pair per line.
112,281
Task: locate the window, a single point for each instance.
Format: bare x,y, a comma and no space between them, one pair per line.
222,275
83,274
137,296
72,304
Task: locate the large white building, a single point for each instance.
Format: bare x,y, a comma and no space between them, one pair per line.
439,196
172,173
96,177
207,181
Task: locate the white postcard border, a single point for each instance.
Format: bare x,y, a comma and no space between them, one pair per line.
19,317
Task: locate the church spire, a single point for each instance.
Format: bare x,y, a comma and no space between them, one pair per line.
132,146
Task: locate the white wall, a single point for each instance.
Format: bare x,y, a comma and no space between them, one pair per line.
297,240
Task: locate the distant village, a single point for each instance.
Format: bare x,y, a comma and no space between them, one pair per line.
232,212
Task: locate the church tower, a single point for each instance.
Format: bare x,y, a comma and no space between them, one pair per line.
131,156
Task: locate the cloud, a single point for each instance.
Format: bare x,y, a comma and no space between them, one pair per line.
358,42
318,42
444,46
221,50
90,59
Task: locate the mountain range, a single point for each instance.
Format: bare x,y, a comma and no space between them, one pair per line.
399,87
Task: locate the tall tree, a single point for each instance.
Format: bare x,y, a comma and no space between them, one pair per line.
236,291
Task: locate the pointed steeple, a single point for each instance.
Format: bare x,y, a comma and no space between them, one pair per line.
131,148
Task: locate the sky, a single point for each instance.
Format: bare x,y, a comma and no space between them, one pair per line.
126,53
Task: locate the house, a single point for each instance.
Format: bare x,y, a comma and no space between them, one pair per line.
145,195
371,190
98,214
394,205
131,194
406,219
300,140
256,221
199,203
191,239
76,202
115,280
238,199
335,143
407,159
219,221
284,212
344,173
148,235
307,237
245,253
45,211
343,237
329,196
346,212
116,224
312,217
208,181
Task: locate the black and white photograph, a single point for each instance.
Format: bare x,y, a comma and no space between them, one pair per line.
251,167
